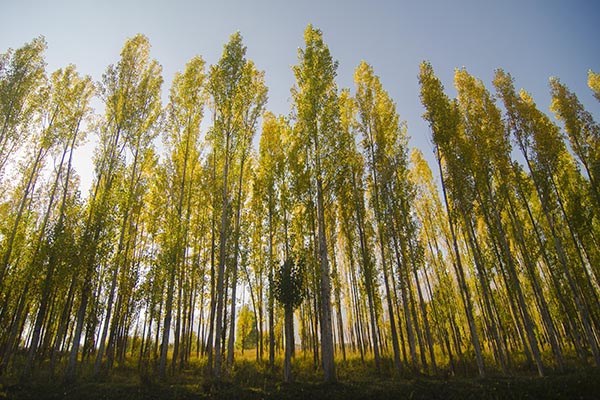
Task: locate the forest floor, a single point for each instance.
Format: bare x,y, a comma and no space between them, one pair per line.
249,380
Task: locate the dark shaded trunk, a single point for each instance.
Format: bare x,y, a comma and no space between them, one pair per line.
289,343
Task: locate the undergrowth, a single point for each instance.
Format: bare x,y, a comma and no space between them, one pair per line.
251,379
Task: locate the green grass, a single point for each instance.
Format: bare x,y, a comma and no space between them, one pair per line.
251,380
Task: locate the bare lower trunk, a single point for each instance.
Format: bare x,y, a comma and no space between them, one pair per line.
164,347
289,344
460,274
395,342
327,353
221,272
231,342
71,366
424,313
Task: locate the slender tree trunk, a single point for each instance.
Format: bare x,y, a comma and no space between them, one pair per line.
580,304
271,304
46,288
107,319
493,323
374,328
357,313
424,313
531,338
145,338
256,310
221,272
15,329
157,335
74,353
213,294
406,306
337,301
382,245
327,352
89,243
178,320
394,332
460,274
367,273
164,347
61,331
289,343
539,295
231,342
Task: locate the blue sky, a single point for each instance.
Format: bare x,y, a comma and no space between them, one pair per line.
532,40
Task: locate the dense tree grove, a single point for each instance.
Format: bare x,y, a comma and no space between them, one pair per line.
332,231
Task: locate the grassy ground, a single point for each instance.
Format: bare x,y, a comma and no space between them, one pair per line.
357,380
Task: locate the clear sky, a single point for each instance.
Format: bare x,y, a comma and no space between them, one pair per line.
532,40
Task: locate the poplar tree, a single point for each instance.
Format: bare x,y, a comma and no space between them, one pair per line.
583,131
22,72
182,139
69,99
444,121
238,97
269,184
486,138
549,163
350,193
317,118
131,93
435,235
382,137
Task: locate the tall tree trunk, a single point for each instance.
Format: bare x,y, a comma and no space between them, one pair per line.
338,302
406,306
531,338
493,323
271,304
74,353
357,313
213,302
327,353
89,242
15,328
179,317
539,295
164,347
231,341
580,303
107,319
63,322
367,272
221,272
289,343
424,313
460,274
46,287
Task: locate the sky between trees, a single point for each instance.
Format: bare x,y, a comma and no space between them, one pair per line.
532,40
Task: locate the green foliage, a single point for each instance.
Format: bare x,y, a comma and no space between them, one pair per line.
22,72
246,329
289,283
594,83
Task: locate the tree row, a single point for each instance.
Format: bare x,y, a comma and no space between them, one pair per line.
332,232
